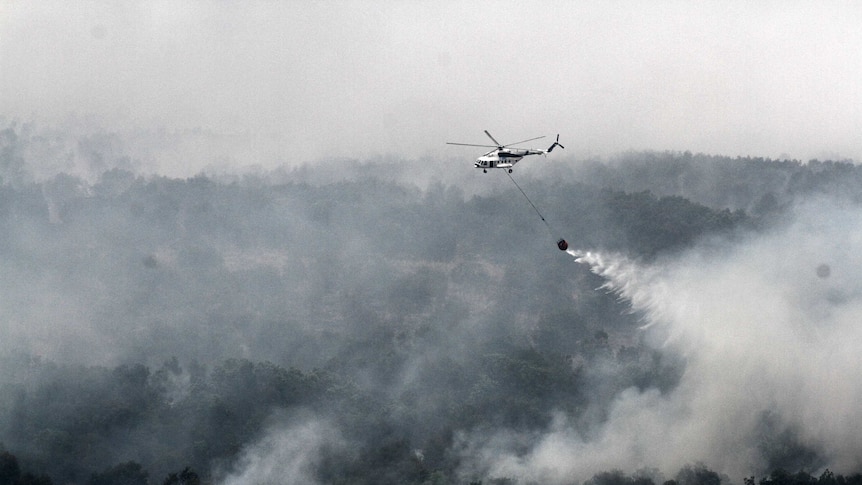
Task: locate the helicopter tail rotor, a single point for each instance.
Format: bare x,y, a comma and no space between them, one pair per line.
556,144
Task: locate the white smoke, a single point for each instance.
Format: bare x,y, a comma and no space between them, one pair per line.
289,453
767,327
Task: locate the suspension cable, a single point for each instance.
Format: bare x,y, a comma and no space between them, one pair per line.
531,203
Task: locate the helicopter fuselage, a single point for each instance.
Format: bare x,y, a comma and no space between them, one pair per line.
504,158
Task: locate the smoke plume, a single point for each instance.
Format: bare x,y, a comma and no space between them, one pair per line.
289,453
768,337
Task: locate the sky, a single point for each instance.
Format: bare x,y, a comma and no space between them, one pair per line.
303,81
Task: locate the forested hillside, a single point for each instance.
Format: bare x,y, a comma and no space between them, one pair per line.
755,184
266,327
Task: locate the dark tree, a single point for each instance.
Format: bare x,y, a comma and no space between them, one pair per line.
697,475
30,479
185,477
9,470
129,473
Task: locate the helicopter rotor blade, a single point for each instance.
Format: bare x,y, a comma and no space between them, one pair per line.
471,145
492,139
523,141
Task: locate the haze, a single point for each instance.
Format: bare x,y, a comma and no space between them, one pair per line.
304,81
234,241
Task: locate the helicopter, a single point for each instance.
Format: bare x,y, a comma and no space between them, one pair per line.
504,156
